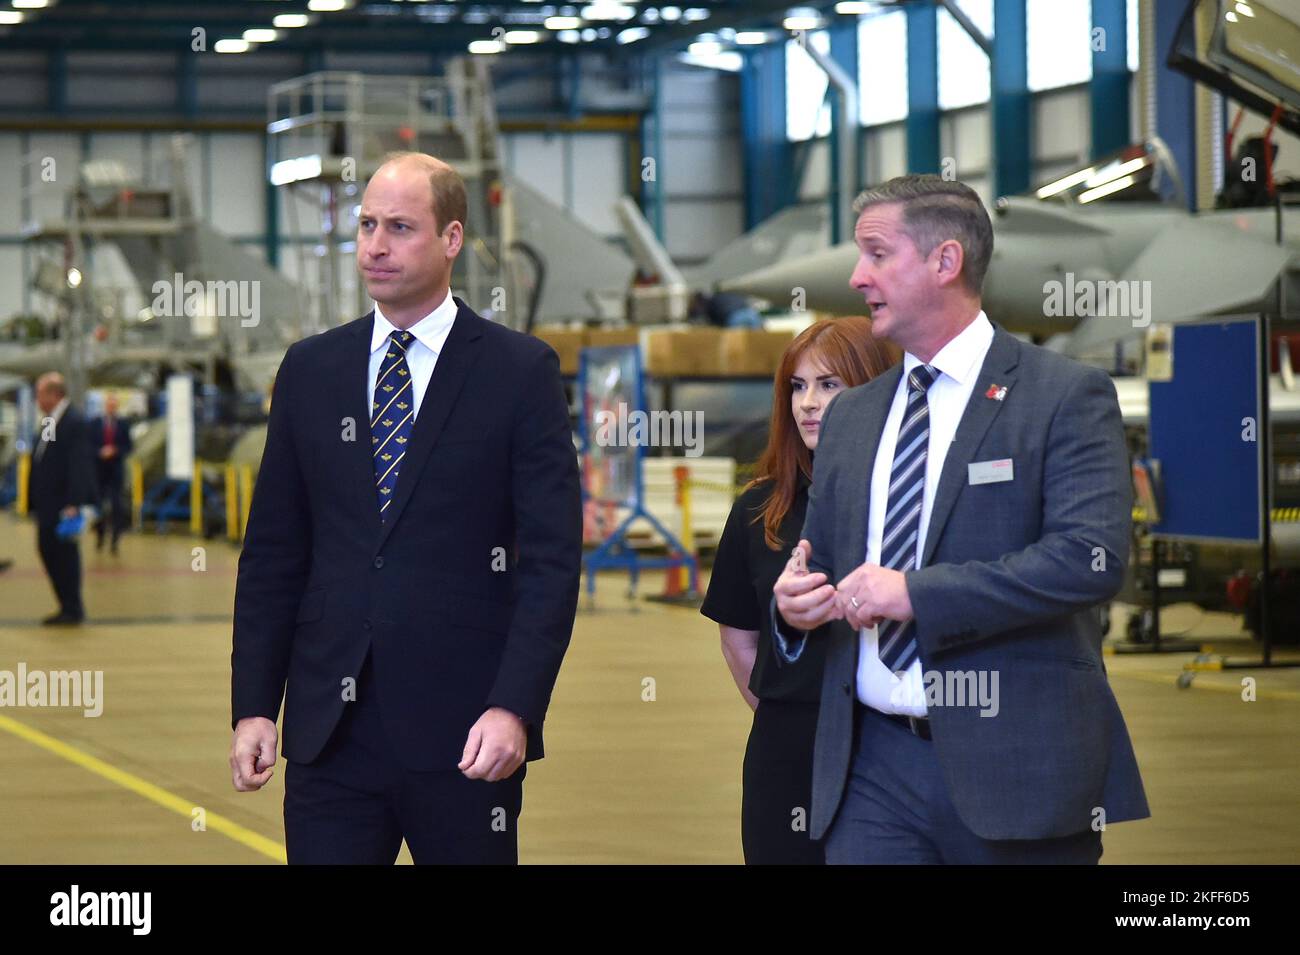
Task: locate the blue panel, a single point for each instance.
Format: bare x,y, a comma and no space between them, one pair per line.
1009,71
1175,103
1109,89
922,88
1210,473
768,166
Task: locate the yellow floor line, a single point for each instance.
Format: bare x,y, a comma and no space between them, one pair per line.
1149,676
218,823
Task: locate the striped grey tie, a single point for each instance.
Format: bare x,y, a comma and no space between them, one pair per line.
897,641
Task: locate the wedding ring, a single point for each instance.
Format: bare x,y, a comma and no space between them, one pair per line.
854,601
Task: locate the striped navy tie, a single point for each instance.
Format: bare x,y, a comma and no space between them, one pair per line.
392,417
897,641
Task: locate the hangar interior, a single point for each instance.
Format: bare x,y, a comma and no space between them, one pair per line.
179,187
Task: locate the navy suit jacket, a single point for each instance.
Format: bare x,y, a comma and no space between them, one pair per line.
63,472
111,471
464,596
1008,583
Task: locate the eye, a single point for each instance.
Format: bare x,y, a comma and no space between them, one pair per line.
796,385
830,384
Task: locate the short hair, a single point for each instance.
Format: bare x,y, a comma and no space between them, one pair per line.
936,210
448,188
54,381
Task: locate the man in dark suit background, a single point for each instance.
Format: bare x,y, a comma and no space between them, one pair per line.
410,573
966,716
62,480
111,438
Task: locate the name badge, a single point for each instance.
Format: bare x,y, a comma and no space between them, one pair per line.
990,472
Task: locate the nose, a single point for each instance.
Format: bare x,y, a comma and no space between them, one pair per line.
861,277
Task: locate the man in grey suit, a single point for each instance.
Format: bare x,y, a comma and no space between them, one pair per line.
969,510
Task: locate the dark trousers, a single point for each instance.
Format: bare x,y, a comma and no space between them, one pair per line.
62,559
778,786
896,810
356,802
112,512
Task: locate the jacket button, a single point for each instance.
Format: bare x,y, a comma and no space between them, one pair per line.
379,563
845,687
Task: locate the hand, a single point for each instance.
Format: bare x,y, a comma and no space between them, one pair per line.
495,747
252,753
805,600
881,594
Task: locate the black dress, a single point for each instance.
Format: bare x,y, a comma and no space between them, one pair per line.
778,759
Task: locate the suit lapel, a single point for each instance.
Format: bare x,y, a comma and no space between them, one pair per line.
862,461
353,365
1002,357
454,362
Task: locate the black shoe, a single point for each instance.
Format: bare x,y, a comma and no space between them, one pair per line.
62,620
5,565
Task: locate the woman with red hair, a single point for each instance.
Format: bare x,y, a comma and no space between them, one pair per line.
763,527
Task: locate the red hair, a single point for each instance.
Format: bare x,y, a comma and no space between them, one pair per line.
847,349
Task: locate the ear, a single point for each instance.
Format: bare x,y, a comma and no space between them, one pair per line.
455,235
949,257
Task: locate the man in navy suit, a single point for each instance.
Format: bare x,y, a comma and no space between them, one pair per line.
61,481
410,571
969,511
111,438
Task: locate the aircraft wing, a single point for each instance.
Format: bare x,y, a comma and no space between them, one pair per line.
1192,271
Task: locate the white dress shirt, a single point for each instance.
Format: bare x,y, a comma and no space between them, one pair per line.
958,363
421,355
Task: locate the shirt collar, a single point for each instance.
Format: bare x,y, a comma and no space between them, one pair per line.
431,331
963,354
61,407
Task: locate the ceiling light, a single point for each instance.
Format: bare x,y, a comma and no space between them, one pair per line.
522,36
289,21
486,46
259,35
751,37
328,6
632,34
231,46
9,17
562,23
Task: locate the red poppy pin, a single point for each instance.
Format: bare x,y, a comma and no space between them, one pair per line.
996,392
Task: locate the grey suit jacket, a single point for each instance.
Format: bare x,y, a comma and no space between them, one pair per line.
1006,588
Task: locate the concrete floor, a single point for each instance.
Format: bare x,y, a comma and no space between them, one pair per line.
625,781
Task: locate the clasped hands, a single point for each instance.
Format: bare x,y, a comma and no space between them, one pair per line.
867,595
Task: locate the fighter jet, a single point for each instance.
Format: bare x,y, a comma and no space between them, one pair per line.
1095,253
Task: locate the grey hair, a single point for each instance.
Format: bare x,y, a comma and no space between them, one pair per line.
936,210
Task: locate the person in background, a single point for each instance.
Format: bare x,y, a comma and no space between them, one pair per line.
111,437
62,480
763,526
